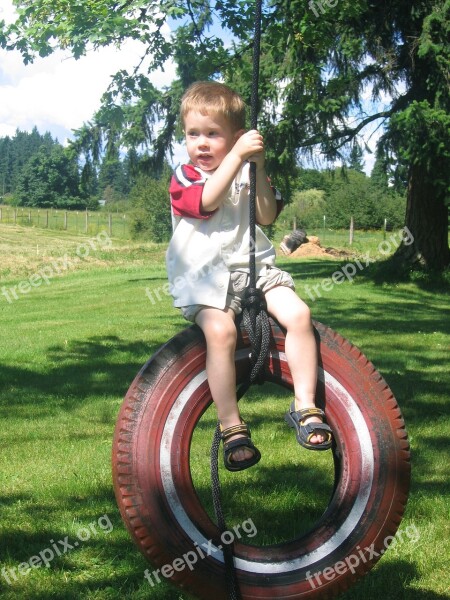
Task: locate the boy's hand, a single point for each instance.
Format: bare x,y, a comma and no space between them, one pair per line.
250,146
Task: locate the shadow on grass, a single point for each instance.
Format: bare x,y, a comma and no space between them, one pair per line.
391,581
116,568
393,313
98,366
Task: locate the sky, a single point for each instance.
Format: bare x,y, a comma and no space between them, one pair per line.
58,93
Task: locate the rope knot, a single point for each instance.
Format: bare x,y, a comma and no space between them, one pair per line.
254,300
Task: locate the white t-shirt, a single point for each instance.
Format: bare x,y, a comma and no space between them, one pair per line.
207,247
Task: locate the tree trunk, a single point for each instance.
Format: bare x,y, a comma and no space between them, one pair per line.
427,222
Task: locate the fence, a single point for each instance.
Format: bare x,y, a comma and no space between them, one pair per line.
77,221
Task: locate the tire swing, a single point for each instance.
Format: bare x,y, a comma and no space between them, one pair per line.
157,497
161,508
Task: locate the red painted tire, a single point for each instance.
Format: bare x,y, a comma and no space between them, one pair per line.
161,509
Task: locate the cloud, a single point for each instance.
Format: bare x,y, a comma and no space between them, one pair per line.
58,93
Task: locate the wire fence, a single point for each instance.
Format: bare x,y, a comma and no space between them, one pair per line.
76,221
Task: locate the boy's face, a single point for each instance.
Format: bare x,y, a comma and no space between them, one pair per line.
208,139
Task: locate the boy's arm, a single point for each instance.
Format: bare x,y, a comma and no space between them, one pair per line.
217,186
266,204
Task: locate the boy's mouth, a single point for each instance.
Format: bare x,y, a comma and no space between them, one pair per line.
204,159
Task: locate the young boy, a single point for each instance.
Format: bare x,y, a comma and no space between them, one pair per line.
208,263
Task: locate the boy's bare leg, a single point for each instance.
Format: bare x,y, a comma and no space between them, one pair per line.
220,334
300,347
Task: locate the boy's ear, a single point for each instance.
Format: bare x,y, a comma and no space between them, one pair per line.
238,134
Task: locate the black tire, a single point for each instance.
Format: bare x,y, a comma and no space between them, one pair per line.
160,507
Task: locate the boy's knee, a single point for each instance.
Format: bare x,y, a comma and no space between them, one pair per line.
301,316
225,334
301,310
221,332
305,313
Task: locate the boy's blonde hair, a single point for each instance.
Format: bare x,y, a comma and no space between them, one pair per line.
213,98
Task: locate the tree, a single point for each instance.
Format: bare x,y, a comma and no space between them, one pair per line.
150,215
355,160
306,210
319,58
111,174
15,153
348,196
387,194
50,180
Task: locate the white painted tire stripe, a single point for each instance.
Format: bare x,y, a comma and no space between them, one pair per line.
348,526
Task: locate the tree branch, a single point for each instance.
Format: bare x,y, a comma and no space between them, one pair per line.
197,32
348,133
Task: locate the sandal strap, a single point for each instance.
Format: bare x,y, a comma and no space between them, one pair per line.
240,429
314,428
305,431
305,413
244,442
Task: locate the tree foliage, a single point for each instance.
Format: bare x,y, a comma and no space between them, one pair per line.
336,196
50,179
150,215
319,62
15,152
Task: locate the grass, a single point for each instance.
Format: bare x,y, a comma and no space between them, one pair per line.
71,347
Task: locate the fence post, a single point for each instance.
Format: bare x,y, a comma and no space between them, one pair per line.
46,218
87,221
350,241
110,224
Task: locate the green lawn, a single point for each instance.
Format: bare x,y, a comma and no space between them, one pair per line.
71,347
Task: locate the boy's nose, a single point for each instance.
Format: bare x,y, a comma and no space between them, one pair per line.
203,141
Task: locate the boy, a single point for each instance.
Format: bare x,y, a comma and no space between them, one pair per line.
208,263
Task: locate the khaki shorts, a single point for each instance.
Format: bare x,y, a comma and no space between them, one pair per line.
239,281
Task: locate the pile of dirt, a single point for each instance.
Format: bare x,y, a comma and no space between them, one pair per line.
312,247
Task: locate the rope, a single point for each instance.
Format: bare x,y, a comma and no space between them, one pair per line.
227,549
256,323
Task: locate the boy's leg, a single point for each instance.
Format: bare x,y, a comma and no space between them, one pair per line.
300,346
219,329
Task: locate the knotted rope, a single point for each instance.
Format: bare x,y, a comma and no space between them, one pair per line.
256,323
